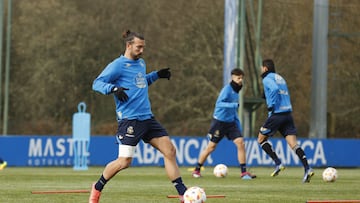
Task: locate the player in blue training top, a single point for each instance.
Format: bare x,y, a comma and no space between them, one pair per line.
279,118
127,80
225,122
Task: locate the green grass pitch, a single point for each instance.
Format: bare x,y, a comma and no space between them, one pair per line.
150,184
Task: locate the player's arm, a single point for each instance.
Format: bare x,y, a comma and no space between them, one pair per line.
271,94
223,102
104,82
153,76
227,104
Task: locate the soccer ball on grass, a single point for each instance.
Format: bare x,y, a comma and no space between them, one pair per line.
221,170
329,174
194,194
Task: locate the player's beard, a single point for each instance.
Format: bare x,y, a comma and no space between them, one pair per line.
136,56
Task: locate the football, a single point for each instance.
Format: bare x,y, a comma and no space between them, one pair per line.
329,174
194,194
221,170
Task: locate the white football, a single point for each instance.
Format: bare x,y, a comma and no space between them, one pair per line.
221,170
329,174
194,194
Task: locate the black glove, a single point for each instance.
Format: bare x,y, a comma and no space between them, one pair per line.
270,109
164,73
120,94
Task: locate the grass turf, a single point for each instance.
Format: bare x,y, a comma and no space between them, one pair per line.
150,184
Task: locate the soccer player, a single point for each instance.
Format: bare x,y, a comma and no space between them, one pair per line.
225,122
279,118
3,164
126,79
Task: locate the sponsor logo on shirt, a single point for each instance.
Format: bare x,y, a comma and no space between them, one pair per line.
140,80
279,79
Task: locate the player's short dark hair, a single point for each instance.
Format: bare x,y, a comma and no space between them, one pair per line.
269,63
129,36
237,71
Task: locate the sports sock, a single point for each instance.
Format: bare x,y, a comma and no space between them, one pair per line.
301,154
99,185
198,167
268,149
179,185
243,168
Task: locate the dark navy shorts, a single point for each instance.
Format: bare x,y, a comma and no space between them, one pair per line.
130,132
283,122
219,129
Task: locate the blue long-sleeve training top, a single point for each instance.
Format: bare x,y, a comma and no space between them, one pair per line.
276,93
131,74
226,106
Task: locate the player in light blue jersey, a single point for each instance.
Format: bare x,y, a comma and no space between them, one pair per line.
126,79
226,123
279,119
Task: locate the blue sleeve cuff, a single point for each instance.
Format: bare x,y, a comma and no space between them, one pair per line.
152,77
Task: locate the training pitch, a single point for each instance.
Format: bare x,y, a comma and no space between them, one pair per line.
150,184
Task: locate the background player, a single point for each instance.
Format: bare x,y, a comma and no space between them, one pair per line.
226,123
279,118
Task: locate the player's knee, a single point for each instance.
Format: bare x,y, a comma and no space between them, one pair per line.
170,152
122,163
263,134
127,162
261,139
239,143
